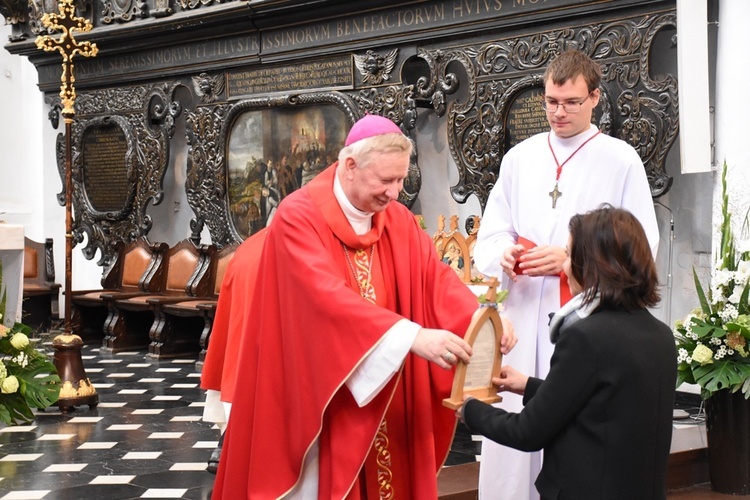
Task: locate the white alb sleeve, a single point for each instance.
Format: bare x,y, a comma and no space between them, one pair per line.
383,362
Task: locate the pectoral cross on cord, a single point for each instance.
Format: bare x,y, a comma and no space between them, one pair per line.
556,193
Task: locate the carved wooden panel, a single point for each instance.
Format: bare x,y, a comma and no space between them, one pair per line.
635,106
124,133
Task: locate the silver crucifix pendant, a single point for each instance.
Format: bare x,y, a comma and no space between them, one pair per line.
555,194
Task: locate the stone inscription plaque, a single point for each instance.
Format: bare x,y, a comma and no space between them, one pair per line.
105,170
525,117
326,73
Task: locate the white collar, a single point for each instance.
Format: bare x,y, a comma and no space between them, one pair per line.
361,221
575,141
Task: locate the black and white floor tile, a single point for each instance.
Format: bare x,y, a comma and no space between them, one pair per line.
144,439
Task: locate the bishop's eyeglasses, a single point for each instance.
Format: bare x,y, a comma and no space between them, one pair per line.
571,107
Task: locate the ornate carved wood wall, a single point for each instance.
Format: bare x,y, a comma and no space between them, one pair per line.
110,199
476,64
636,106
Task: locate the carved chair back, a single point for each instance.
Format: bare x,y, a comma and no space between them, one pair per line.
38,263
221,261
188,269
135,266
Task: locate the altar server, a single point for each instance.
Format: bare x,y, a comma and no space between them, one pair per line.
543,182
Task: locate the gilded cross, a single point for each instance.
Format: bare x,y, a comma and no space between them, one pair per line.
555,194
68,46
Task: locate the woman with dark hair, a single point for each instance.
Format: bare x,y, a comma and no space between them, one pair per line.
603,415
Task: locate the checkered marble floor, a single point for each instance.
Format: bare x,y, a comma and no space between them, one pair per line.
145,438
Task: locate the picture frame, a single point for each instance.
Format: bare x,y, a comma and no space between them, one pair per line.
218,157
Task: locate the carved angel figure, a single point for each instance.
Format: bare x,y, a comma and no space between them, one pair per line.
375,68
208,87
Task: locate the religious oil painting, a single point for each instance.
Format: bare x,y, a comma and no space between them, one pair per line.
273,152
454,259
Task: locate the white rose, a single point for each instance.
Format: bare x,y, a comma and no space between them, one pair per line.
19,340
10,385
703,355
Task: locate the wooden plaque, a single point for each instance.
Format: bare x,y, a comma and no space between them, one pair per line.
484,335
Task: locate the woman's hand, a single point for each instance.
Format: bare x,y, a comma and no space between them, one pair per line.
460,409
511,380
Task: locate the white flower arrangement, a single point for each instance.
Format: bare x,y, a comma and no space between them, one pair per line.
28,379
712,341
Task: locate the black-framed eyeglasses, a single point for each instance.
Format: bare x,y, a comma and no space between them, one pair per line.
571,107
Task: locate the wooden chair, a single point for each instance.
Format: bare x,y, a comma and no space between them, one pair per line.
186,325
135,266
184,275
40,292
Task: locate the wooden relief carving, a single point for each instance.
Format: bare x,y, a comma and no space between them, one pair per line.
194,4
14,11
123,11
440,82
634,107
120,153
206,180
375,68
207,87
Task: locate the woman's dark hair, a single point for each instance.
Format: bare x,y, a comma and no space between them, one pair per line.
610,255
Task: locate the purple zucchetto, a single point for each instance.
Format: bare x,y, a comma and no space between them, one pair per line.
370,126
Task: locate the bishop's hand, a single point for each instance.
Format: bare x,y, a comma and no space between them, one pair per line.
441,347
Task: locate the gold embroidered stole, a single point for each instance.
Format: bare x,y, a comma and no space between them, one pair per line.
376,474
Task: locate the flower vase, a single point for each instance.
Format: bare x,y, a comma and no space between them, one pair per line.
728,434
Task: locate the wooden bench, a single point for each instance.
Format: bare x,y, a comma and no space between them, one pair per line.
131,273
40,292
189,322
183,274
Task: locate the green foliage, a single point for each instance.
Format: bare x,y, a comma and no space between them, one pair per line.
712,341
28,379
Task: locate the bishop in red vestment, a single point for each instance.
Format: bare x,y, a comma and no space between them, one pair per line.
345,279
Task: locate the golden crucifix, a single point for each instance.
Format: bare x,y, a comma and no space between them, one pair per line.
76,388
68,46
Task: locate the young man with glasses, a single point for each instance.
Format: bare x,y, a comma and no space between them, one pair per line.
543,182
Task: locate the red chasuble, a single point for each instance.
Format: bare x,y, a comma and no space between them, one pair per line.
309,328
219,371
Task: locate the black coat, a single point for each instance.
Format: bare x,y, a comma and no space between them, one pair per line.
604,414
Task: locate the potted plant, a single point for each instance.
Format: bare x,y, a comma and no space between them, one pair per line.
713,352
28,378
